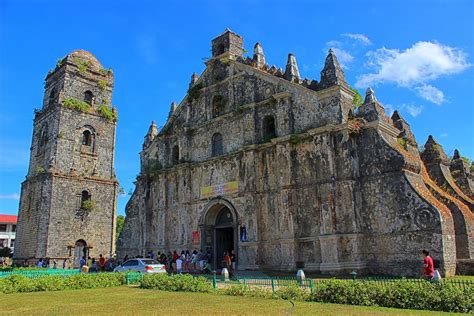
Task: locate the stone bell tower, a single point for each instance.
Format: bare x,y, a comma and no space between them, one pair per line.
68,200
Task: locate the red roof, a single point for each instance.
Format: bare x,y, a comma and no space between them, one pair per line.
9,219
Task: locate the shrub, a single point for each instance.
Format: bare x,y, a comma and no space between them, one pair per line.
77,105
295,139
20,283
89,205
357,100
107,112
95,280
105,71
242,290
59,63
402,142
176,283
153,167
293,292
397,294
194,92
102,84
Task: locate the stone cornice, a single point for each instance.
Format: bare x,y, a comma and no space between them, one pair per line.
73,177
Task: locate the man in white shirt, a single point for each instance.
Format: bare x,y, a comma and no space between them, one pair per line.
179,265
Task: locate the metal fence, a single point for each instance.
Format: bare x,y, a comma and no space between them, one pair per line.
34,274
385,280
268,282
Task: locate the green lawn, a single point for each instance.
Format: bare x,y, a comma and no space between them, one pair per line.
129,300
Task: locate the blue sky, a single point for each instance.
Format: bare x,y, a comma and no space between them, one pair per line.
417,55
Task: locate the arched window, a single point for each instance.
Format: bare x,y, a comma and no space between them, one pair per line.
175,155
217,145
52,96
85,196
43,136
220,49
87,138
268,128
218,105
88,96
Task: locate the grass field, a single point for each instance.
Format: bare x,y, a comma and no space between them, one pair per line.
129,300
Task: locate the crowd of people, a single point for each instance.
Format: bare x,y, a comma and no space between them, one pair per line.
184,262
97,265
190,261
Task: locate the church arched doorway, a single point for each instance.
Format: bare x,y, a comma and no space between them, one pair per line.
80,250
219,231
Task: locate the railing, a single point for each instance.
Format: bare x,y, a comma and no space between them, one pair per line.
34,274
385,280
272,283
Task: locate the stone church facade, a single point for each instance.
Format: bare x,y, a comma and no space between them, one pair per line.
285,172
68,200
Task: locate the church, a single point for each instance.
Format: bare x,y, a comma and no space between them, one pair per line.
288,172
285,171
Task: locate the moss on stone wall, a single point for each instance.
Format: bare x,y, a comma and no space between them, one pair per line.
108,113
77,105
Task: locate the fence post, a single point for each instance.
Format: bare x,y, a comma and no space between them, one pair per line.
273,285
214,283
311,285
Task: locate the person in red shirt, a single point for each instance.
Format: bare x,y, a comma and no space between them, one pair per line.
102,263
227,262
428,266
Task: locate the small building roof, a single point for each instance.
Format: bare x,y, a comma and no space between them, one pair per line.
8,219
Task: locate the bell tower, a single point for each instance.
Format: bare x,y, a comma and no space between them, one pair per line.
229,43
68,199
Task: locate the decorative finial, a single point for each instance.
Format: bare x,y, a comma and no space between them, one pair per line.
370,96
292,72
194,79
152,132
173,107
258,56
456,154
332,73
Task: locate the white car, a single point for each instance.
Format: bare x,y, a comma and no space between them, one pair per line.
143,265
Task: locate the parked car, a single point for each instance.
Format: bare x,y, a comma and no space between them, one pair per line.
143,265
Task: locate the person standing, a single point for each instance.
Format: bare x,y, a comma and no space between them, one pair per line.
101,263
428,266
179,265
233,259
82,262
227,262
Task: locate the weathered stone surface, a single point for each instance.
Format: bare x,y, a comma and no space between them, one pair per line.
463,174
51,217
284,172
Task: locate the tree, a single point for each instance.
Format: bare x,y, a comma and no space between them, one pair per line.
357,101
119,227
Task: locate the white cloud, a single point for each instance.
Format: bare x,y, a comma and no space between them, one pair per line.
430,93
413,109
364,39
389,109
444,135
344,57
414,67
14,196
